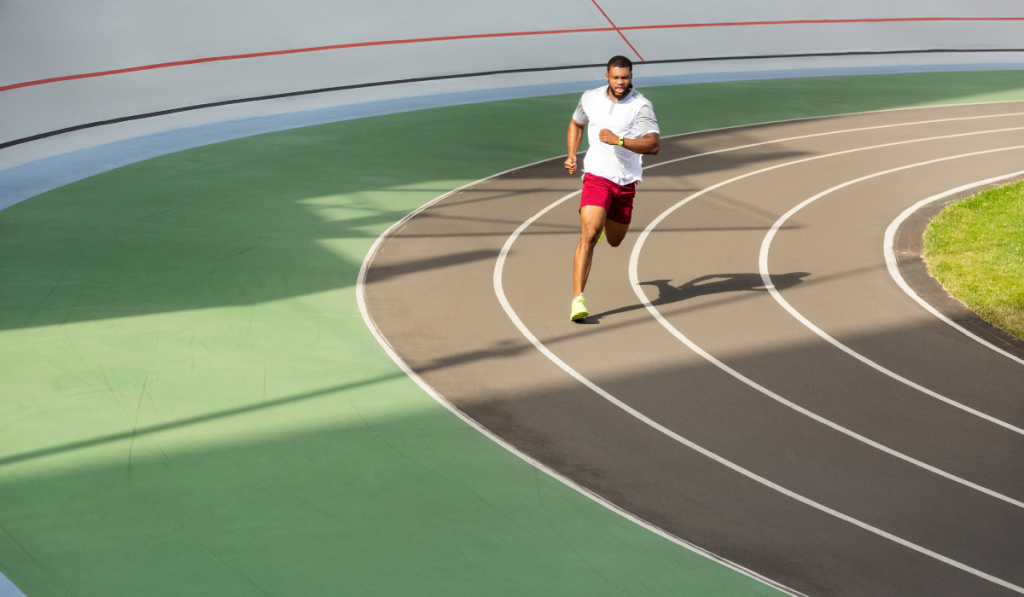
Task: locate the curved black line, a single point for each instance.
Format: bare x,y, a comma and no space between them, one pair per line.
90,125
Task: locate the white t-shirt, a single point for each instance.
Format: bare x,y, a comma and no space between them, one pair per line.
631,117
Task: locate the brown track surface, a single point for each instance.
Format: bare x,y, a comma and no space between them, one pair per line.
430,291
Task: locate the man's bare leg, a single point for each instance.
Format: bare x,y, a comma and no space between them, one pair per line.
615,232
592,220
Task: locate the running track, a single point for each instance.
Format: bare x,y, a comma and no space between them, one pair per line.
753,380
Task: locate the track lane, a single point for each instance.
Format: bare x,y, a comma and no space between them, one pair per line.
870,187
716,337
840,228
739,341
537,411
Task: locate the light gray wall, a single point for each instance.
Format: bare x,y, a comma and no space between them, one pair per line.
41,39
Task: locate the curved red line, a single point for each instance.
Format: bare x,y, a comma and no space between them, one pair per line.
488,35
134,69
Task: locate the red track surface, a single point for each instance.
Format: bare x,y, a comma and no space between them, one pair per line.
613,27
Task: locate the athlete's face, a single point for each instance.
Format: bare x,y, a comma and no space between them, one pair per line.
619,79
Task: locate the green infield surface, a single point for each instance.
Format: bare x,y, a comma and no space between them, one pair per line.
975,248
192,404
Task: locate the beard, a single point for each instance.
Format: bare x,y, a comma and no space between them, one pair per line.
625,91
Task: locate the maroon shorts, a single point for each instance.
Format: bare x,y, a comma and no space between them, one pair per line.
616,199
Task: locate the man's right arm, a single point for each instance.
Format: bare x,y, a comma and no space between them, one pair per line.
573,138
575,135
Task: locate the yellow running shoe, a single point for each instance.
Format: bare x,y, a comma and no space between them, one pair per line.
601,238
579,310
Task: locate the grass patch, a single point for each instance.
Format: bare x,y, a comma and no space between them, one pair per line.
975,248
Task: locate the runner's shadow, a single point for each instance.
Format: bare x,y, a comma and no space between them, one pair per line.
710,284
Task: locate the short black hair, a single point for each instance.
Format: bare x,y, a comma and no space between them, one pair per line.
620,62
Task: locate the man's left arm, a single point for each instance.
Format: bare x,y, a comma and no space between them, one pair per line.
648,143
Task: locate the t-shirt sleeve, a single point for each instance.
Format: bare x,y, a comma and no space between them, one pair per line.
579,115
646,120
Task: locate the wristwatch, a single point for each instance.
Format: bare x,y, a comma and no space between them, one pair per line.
621,142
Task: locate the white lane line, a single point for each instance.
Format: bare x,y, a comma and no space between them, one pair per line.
889,246
372,325
826,134
500,292
766,277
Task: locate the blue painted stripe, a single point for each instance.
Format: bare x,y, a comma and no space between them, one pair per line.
7,588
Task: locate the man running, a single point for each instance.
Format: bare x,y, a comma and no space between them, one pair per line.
622,127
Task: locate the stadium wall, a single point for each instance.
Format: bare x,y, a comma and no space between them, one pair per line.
74,75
